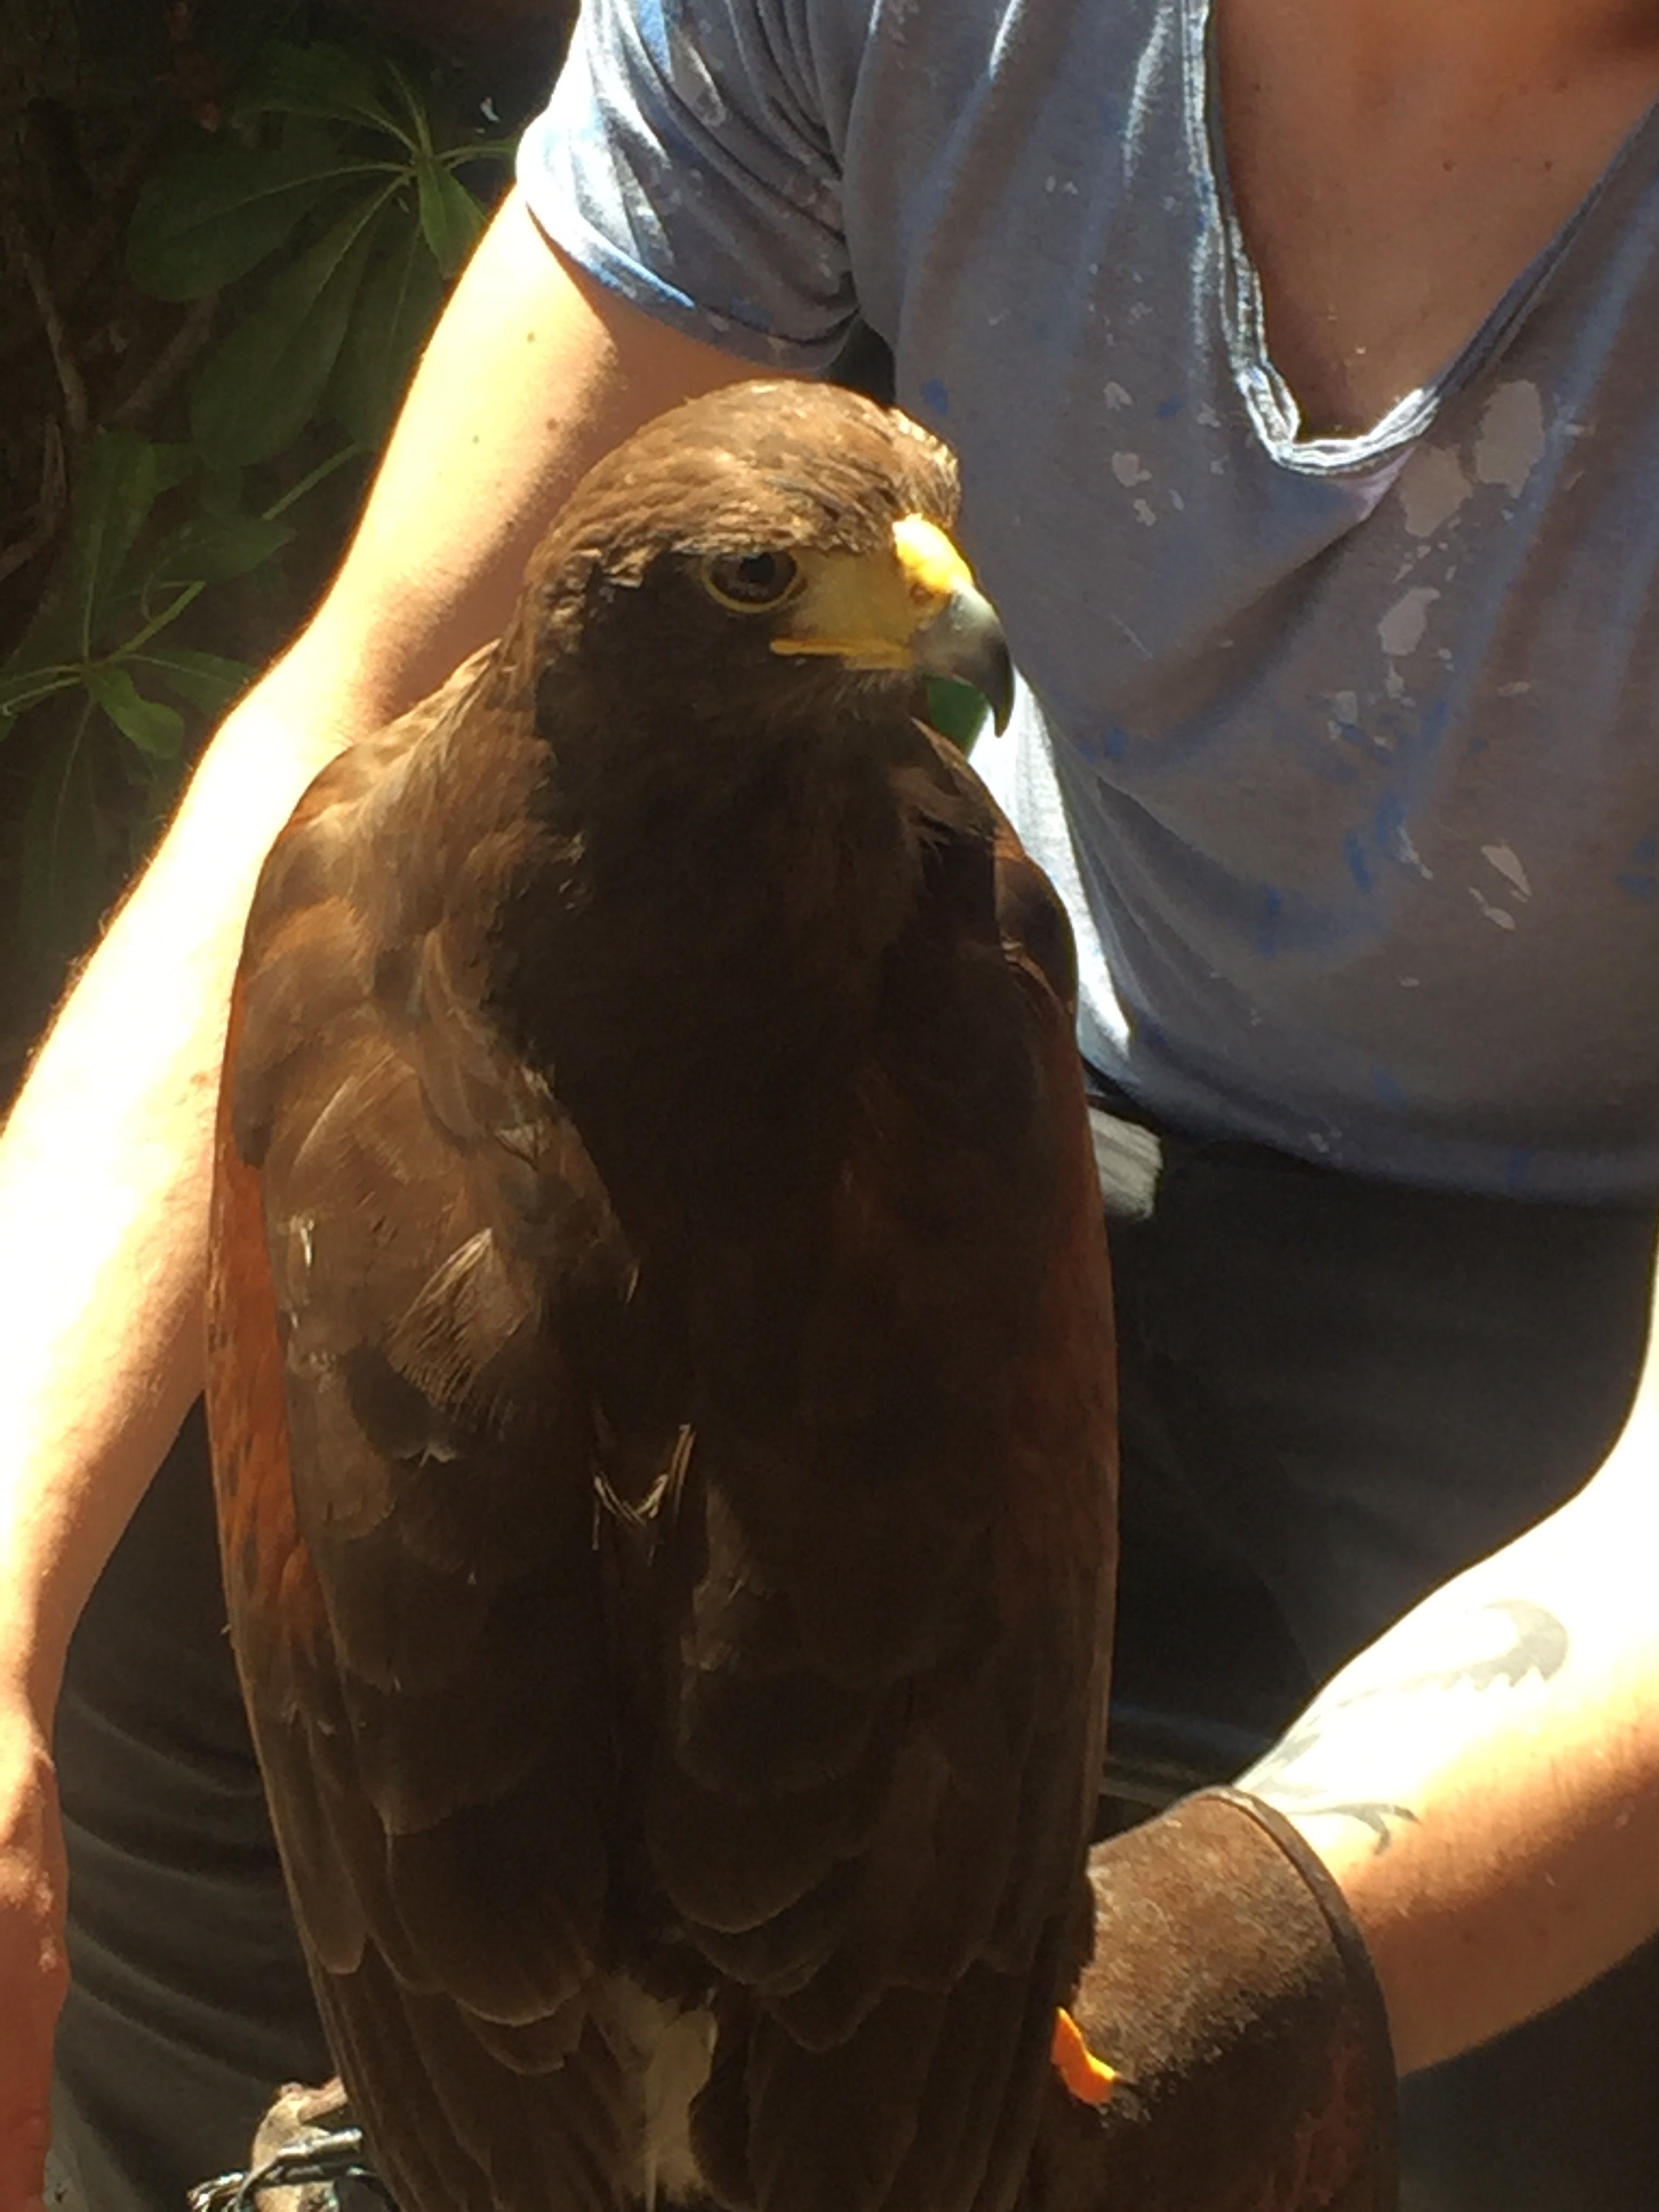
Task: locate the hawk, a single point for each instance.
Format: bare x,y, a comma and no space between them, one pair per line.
661,1377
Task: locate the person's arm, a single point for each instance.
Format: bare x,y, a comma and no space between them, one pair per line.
534,372
1483,1781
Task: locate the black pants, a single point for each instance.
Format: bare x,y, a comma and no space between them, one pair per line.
1335,1393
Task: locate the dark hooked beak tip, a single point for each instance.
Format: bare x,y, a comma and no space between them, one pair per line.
964,641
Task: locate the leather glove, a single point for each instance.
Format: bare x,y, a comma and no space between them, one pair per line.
1231,1993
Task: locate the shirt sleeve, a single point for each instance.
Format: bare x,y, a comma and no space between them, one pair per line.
685,162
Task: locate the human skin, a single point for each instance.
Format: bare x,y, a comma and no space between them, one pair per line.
1483,1781
1396,162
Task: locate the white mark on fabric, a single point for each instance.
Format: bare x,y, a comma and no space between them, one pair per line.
1500,914
1127,468
1431,487
1143,511
1177,503
1408,857
1507,862
1401,630
1139,644
1518,690
689,73
1511,440
1116,397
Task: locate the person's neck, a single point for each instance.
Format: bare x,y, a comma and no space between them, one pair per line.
1397,163
1483,45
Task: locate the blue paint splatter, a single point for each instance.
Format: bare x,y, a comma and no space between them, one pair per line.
1517,1169
1388,1090
1110,112
934,395
1639,880
1435,715
1359,866
1172,405
1267,932
1108,744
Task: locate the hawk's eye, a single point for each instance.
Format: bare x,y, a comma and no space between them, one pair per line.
749,581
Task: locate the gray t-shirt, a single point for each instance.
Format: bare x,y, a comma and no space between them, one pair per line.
1342,751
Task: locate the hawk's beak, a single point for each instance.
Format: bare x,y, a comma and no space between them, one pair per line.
916,606
959,634
964,641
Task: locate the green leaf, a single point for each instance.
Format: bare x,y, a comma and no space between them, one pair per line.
63,884
955,710
208,681
210,549
154,785
124,475
397,306
450,218
153,727
323,81
212,213
264,382
414,106
496,151
120,482
28,687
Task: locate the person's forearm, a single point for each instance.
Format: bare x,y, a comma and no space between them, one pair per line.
1484,1781
103,1197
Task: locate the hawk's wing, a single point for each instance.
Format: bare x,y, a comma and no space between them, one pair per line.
885,1703
834,1669
408,1237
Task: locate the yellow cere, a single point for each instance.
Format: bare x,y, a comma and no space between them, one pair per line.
930,562
865,609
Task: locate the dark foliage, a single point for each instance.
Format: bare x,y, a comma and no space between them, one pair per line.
225,229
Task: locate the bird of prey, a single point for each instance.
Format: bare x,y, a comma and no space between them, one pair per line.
661,1369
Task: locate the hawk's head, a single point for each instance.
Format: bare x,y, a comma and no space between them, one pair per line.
782,544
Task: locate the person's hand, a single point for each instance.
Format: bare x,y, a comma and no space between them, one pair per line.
34,1967
1231,1993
